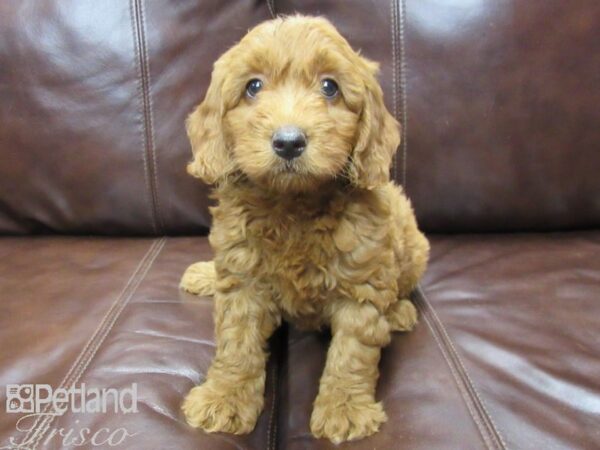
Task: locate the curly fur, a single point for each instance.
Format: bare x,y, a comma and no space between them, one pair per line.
326,240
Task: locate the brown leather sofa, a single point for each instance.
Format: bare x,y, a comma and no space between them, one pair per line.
501,156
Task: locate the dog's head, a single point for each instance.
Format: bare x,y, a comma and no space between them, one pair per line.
292,106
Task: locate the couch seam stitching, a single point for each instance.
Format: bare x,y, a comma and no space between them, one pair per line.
393,33
456,377
89,341
105,327
459,368
271,6
148,195
272,428
144,82
404,94
150,111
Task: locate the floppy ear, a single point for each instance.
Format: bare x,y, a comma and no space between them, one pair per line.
378,136
205,131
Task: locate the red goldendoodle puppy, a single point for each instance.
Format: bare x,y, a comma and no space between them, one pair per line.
308,228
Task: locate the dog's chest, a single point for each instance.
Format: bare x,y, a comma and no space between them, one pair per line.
304,256
298,260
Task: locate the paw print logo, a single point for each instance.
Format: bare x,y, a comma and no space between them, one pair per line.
19,398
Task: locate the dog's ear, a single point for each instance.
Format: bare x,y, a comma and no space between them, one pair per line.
378,135
205,131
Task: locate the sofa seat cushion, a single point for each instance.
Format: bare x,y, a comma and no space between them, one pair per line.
505,354
108,313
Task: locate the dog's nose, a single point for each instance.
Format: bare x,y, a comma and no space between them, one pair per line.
288,142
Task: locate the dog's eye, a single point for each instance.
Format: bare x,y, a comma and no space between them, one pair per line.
329,88
253,87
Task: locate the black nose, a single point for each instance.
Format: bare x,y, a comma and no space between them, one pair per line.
289,142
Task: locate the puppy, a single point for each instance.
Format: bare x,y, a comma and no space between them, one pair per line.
308,228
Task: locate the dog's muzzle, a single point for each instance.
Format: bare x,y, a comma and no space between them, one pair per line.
288,142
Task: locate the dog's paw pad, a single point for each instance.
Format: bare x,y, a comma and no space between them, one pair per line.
346,422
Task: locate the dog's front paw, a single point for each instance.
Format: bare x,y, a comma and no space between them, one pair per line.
228,410
347,421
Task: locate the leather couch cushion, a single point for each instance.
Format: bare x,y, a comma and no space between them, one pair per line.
94,98
108,313
498,102
502,111
522,313
424,406
505,354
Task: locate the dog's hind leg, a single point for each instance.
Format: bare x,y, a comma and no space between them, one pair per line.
412,252
402,315
199,278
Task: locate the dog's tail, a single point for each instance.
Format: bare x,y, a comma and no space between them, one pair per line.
199,278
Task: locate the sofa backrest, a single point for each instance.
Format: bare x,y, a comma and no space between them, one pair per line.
499,102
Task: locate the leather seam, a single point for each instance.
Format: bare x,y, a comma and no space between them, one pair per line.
148,195
96,340
272,10
105,327
394,39
146,107
456,378
475,405
272,428
150,114
403,85
89,342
